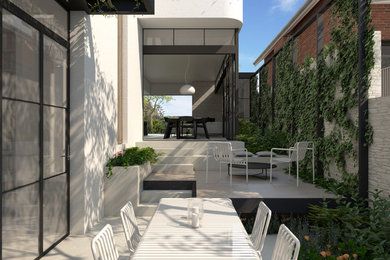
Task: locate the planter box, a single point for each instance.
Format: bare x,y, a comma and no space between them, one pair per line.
124,185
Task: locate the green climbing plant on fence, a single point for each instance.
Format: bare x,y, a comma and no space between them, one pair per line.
318,99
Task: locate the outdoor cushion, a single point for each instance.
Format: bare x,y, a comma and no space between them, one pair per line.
268,154
242,154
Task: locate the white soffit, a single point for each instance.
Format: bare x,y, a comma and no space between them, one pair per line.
299,15
189,23
172,68
380,2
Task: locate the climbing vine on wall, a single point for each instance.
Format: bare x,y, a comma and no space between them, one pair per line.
254,100
325,88
264,99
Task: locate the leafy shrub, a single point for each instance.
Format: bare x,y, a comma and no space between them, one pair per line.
363,227
131,156
159,126
260,140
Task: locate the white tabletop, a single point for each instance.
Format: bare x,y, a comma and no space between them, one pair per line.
170,236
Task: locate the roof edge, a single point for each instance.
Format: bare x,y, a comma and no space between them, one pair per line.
299,15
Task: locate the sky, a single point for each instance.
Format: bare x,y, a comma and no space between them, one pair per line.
263,20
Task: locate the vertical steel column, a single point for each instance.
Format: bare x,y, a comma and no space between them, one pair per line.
320,118
363,102
1,131
273,89
40,241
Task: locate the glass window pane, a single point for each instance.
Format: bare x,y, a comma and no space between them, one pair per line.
219,37
189,37
53,141
20,59
54,71
48,12
54,210
20,143
158,37
20,223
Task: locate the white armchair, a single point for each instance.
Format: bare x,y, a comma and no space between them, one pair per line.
295,154
223,153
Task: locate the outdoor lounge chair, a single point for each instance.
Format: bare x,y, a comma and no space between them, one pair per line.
295,154
260,227
223,153
103,245
287,245
130,227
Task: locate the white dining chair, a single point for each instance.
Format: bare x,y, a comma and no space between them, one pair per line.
130,227
260,227
295,154
287,245
103,245
223,153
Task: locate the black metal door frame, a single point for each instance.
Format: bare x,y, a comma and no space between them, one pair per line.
43,31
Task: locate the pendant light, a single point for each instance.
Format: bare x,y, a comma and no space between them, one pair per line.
187,89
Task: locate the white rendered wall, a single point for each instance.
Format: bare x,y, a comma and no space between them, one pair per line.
375,89
93,114
195,14
133,100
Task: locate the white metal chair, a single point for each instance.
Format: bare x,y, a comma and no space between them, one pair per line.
295,154
287,245
223,153
260,227
103,246
130,227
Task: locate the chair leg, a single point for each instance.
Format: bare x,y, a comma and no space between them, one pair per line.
246,173
231,173
289,169
270,171
313,163
297,173
220,172
207,166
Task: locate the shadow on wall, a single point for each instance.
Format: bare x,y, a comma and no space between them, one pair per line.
95,121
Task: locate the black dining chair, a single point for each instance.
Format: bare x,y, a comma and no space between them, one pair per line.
187,124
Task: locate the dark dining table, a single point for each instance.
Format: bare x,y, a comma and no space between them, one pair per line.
194,123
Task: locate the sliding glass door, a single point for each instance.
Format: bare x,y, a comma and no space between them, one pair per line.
34,126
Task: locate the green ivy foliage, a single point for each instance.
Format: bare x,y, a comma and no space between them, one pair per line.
265,100
131,156
325,87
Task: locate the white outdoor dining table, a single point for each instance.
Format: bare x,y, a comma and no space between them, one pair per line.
170,236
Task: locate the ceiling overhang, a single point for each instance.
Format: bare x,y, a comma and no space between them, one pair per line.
120,6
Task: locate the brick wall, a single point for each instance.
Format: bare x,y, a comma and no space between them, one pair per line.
379,151
307,43
381,19
327,35
269,66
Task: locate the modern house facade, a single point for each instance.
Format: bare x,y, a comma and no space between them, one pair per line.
309,29
72,95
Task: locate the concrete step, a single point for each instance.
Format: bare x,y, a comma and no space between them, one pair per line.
146,209
169,168
154,196
198,161
182,159
175,151
199,147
